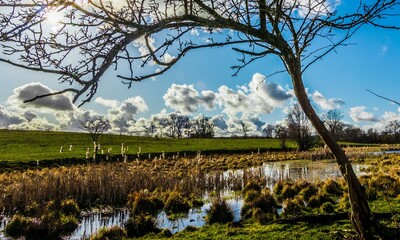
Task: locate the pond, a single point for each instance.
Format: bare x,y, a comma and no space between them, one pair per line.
272,172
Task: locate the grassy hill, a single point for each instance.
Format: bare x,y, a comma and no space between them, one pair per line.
30,146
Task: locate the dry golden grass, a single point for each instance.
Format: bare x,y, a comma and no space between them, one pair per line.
110,183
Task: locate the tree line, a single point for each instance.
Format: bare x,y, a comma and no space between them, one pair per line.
298,127
295,126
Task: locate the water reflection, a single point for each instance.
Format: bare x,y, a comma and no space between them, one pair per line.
3,223
272,172
94,221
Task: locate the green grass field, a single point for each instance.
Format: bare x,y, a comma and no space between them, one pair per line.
29,146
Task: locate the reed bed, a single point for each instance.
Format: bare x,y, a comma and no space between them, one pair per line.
110,183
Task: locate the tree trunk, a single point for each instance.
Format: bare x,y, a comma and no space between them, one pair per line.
361,216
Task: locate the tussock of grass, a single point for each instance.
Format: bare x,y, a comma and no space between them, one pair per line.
50,222
112,233
139,225
219,212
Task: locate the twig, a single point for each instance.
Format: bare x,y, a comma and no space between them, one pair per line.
390,100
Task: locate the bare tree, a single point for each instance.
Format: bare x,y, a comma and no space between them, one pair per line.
202,127
333,120
178,124
393,129
151,128
269,130
101,32
282,132
245,128
299,128
95,127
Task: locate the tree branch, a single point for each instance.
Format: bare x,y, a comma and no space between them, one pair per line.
388,99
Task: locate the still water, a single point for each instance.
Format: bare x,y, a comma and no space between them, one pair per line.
272,171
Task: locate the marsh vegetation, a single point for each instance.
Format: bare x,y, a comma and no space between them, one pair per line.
174,186
260,189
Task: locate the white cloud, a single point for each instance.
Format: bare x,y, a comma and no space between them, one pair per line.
36,124
24,121
139,127
109,103
194,32
359,114
168,58
122,117
60,102
219,122
140,44
186,99
9,118
327,104
259,97
120,113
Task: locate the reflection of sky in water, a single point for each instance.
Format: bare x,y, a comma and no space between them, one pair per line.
273,171
3,223
195,218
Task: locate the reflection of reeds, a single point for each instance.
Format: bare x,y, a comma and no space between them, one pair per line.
110,183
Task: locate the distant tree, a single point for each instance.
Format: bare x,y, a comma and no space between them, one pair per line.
151,128
352,133
300,128
179,125
245,128
269,130
333,120
95,127
282,132
202,127
373,136
393,129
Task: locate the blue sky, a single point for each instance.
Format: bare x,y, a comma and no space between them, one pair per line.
338,81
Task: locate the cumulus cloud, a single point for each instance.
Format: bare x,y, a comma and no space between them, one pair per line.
359,114
109,103
140,127
168,57
58,102
120,113
257,97
30,115
326,104
186,99
122,117
254,121
24,121
207,98
272,90
219,122
71,121
9,118
36,124
182,98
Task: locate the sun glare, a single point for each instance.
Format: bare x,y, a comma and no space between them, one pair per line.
54,17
